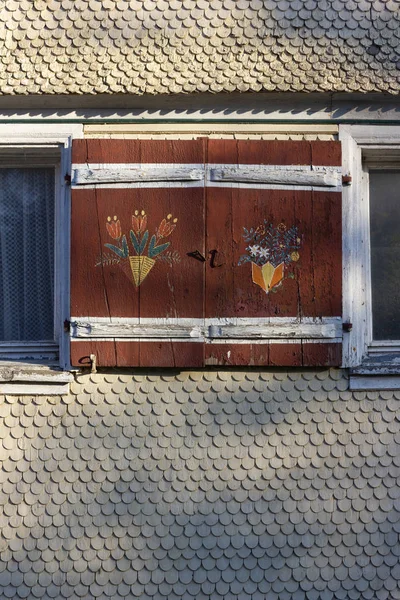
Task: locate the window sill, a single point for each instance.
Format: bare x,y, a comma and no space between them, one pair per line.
377,372
33,379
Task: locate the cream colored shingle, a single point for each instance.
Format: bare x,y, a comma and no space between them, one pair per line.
258,484
355,45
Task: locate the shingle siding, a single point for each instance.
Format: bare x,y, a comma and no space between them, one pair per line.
158,47
226,485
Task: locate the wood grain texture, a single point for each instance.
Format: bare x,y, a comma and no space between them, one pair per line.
253,152
264,174
111,174
210,223
105,353
240,355
321,355
138,151
285,355
274,355
171,354
171,289
326,153
311,286
199,329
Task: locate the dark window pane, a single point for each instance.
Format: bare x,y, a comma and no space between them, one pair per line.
26,254
385,253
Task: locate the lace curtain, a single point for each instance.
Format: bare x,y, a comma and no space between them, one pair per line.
26,254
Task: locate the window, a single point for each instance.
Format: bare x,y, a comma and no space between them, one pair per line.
384,186
27,209
34,259
371,255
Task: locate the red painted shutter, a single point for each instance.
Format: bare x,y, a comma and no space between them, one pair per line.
104,293
305,293
213,297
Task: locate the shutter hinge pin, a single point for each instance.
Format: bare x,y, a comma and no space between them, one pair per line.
67,326
67,178
347,327
347,179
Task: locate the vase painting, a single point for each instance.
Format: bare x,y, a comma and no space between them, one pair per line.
146,249
267,276
269,250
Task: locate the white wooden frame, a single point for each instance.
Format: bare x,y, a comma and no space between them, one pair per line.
360,351
45,145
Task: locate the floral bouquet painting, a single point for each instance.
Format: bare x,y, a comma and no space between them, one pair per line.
269,249
146,249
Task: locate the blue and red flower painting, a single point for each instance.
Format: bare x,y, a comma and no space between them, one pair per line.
146,249
269,249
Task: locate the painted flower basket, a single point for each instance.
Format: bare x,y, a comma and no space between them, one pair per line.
267,276
145,252
140,267
269,250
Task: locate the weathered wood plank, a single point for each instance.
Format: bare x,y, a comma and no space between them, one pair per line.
294,331
321,355
126,330
135,173
105,352
243,330
298,176
138,151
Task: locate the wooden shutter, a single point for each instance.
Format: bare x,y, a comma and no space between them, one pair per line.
285,190
131,311
206,300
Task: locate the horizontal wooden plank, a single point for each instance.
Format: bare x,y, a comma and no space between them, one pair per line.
135,173
141,353
298,176
131,330
267,354
199,329
164,175
374,382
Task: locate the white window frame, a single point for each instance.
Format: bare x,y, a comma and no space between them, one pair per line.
43,145
373,365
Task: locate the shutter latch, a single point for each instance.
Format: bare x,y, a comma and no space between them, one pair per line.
213,254
197,255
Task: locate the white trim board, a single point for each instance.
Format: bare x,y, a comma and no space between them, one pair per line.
357,141
31,389
374,382
201,329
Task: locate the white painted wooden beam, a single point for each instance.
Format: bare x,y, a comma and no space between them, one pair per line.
199,329
211,175
287,175
86,175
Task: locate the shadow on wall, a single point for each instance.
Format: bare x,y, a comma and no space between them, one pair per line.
199,485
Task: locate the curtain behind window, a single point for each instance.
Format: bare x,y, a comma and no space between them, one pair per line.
26,254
